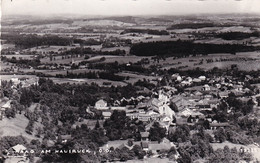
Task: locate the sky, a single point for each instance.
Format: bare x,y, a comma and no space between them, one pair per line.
127,7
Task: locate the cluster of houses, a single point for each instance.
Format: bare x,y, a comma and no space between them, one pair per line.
203,96
5,103
196,98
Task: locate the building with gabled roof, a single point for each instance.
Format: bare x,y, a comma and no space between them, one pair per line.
3,108
101,105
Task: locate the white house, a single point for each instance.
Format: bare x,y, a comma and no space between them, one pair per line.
101,105
206,87
202,78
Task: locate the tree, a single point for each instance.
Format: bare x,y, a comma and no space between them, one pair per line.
97,125
172,153
29,127
138,151
182,133
185,156
10,113
220,135
130,143
174,107
157,133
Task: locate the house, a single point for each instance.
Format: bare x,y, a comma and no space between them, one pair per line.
65,138
238,87
196,80
145,146
140,98
106,114
214,126
189,79
203,107
185,83
153,102
202,78
194,98
206,87
223,94
15,80
176,77
144,117
154,115
29,82
170,90
213,103
101,105
218,85
4,107
208,97
18,150
198,93
118,108
144,136
248,77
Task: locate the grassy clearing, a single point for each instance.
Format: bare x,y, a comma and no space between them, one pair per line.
15,127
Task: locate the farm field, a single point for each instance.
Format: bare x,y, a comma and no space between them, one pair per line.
99,82
119,59
243,60
9,77
18,56
135,77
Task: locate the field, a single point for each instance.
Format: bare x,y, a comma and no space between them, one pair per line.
15,127
80,81
9,77
192,62
135,77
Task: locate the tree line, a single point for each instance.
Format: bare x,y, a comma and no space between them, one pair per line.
185,48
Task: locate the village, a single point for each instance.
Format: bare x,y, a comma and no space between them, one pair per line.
197,105
158,88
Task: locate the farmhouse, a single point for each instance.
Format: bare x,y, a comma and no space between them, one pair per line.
65,138
144,136
101,105
214,126
18,151
106,114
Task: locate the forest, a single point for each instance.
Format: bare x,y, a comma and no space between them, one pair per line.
237,35
185,48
